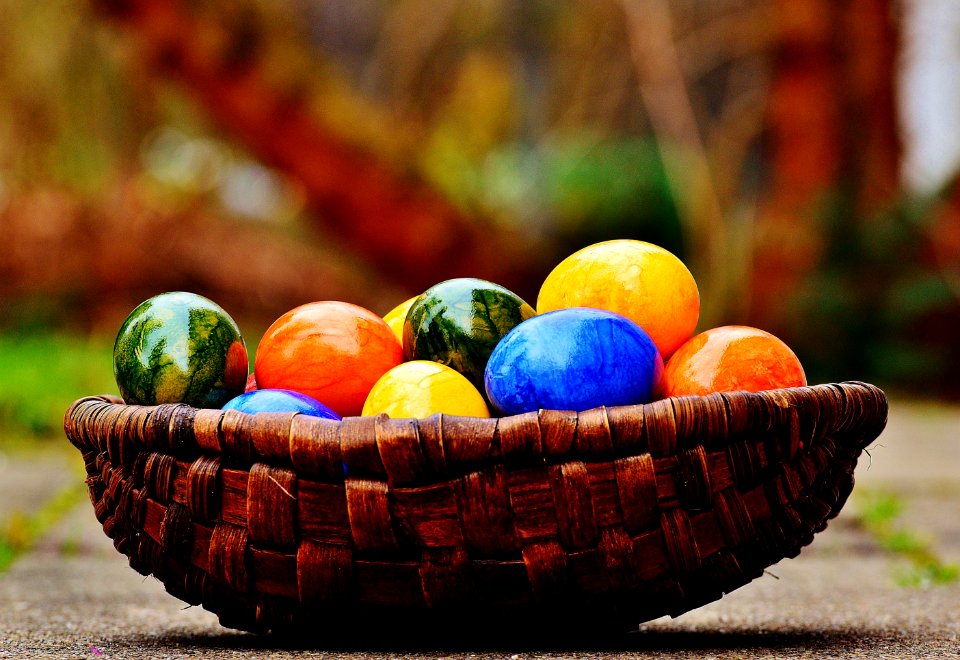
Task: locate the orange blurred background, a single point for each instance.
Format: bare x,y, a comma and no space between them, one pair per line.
800,155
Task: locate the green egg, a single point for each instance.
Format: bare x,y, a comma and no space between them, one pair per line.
459,322
179,347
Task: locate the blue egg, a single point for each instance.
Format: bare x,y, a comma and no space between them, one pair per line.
572,359
275,400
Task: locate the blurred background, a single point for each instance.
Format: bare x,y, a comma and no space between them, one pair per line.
801,156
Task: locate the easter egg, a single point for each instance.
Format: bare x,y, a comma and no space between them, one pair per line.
421,388
257,401
644,282
573,359
731,358
396,316
458,323
332,351
179,347
251,383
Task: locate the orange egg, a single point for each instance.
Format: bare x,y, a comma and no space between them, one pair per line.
642,281
731,358
333,351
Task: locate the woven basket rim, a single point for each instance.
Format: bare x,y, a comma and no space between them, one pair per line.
367,443
115,399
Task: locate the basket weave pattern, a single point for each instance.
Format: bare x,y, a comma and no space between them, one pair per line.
629,512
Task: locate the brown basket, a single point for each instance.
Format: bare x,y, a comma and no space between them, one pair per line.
616,514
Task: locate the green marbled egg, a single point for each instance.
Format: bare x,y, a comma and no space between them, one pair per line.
459,322
179,347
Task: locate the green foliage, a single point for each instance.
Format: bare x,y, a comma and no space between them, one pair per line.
877,307
880,514
580,191
880,509
20,531
43,374
615,189
922,575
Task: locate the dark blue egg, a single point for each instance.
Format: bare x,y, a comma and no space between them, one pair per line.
572,359
275,400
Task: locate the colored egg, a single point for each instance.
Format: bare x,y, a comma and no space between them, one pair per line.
732,358
251,383
644,282
396,316
179,347
421,388
573,359
332,351
458,323
257,401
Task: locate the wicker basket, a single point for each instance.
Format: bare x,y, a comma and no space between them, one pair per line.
616,514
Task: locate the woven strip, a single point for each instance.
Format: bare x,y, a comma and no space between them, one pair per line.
622,513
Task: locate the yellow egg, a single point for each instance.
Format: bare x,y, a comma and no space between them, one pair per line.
420,388
642,281
396,316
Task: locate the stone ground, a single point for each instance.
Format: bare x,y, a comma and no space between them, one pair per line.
73,596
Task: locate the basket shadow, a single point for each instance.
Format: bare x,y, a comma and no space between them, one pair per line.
373,640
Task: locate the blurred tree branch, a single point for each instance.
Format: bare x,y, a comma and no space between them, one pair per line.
824,106
742,33
831,135
405,55
691,165
944,237
398,223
